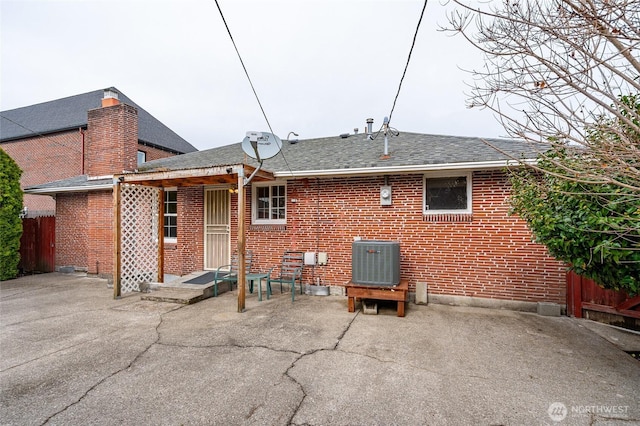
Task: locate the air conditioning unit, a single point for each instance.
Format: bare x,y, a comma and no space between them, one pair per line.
375,263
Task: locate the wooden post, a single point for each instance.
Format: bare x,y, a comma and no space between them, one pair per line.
241,242
161,236
116,239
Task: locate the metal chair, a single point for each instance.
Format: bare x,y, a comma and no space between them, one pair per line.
288,272
229,273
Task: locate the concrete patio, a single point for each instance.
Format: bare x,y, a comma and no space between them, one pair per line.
71,354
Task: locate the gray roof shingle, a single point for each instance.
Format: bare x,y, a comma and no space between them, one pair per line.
356,152
71,113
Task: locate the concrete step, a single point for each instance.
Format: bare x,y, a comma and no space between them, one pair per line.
183,296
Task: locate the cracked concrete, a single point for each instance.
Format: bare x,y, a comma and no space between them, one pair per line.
71,354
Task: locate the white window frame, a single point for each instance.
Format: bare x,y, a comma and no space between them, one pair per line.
448,174
170,239
143,154
254,203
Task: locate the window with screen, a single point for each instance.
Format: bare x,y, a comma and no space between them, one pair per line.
170,215
447,194
269,204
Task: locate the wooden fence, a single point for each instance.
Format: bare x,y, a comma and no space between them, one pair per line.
585,295
37,245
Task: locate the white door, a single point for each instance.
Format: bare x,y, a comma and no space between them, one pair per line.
217,228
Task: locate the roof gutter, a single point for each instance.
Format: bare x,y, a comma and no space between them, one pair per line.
482,165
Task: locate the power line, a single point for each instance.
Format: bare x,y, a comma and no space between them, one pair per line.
243,67
250,82
35,133
408,59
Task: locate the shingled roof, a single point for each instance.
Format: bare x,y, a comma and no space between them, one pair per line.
337,156
71,113
357,154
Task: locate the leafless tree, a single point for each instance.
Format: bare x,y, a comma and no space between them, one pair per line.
562,72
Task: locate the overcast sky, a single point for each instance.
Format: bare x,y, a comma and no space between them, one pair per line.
320,68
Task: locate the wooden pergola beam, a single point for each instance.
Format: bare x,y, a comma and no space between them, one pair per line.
194,177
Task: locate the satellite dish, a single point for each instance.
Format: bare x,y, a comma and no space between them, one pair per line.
261,145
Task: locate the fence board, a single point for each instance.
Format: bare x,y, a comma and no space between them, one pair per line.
46,244
28,245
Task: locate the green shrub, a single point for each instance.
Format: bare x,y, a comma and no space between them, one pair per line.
594,228
10,222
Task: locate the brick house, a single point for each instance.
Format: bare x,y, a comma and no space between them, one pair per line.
443,198
69,149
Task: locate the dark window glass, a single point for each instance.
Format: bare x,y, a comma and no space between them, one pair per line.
446,193
171,214
263,202
271,202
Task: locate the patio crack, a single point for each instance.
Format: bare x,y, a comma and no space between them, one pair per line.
344,332
227,345
306,354
114,373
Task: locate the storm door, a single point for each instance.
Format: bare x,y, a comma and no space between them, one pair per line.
217,228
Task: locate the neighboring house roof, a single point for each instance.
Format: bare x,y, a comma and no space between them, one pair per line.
71,113
358,155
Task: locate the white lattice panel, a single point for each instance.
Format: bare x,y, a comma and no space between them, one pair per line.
138,236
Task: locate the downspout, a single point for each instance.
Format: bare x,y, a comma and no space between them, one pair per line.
315,280
82,159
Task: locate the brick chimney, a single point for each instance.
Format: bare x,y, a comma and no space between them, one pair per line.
112,137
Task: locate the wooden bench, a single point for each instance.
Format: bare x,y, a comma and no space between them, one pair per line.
396,293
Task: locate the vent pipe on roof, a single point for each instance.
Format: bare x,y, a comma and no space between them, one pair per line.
110,98
369,128
385,126
292,141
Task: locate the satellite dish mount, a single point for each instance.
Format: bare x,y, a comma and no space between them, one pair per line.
261,146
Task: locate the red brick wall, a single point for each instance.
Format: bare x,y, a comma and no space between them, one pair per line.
490,256
112,140
46,159
100,233
71,230
153,153
172,263
187,255
57,156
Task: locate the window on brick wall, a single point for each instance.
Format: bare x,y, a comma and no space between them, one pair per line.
142,157
269,203
170,215
447,193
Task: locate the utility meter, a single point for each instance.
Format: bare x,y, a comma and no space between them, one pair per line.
385,195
